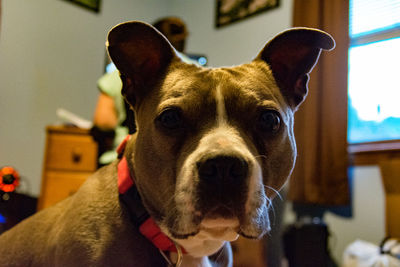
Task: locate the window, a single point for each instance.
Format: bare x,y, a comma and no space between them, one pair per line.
374,74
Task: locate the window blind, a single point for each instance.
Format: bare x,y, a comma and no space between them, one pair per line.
370,16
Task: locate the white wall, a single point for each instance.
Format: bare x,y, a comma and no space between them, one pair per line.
368,220
51,54
233,44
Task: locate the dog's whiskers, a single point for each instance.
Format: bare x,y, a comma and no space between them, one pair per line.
274,190
219,255
270,203
272,209
170,197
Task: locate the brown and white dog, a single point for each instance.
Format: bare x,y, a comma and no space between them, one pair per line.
213,144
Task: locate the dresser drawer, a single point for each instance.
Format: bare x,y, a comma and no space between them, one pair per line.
59,185
71,152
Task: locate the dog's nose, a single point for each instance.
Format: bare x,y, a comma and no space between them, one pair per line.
223,169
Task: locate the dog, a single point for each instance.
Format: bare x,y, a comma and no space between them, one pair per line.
213,147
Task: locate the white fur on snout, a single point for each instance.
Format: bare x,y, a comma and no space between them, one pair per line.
221,110
254,199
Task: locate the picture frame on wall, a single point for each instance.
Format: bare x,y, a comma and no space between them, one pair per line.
229,11
93,5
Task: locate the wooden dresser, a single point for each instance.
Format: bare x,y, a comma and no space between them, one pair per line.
70,157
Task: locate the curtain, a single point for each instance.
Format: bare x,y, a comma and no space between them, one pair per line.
320,175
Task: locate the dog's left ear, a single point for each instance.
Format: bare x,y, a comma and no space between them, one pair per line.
141,54
291,56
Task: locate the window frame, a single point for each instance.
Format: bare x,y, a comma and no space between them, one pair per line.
372,153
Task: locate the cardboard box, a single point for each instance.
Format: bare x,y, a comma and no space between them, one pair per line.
390,173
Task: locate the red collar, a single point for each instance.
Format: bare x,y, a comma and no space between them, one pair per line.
129,195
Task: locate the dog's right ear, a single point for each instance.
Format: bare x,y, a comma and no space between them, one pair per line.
291,56
141,54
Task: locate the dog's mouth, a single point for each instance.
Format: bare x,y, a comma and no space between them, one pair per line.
219,217
213,229
221,223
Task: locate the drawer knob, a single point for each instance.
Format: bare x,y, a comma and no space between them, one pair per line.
76,155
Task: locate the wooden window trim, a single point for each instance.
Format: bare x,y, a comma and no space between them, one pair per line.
373,153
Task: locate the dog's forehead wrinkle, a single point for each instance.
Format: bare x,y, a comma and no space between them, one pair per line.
236,80
183,83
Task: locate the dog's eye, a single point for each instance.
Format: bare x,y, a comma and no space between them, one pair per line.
269,121
170,119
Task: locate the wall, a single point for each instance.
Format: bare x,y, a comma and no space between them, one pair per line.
368,221
233,44
51,54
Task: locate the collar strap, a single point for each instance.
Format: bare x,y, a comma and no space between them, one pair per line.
138,214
